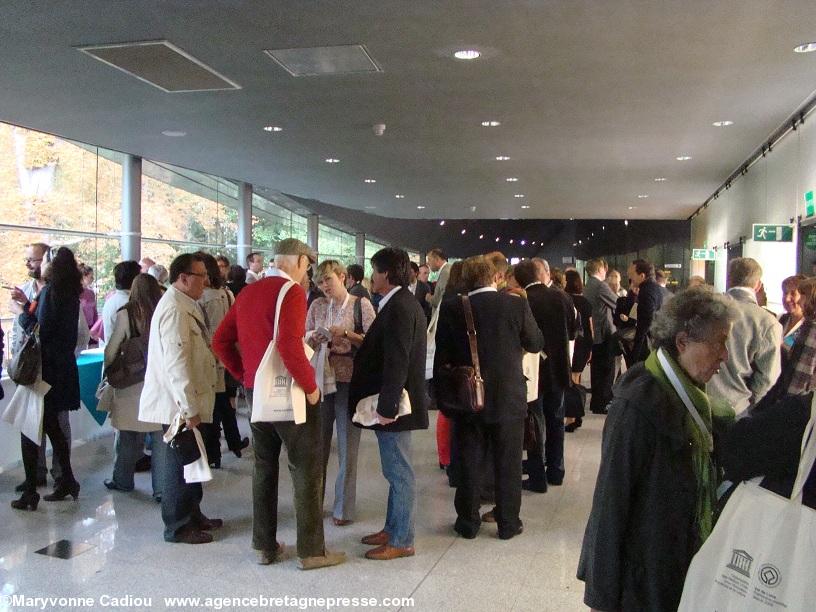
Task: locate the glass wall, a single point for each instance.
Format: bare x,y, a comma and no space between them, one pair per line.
371,247
336,244
271,223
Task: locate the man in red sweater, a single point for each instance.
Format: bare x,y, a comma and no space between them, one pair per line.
250,324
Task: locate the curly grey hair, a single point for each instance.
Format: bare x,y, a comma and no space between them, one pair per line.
697,311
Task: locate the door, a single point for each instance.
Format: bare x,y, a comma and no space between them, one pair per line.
806,249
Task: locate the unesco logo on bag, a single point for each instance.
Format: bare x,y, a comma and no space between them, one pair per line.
281,381
741,562
769,575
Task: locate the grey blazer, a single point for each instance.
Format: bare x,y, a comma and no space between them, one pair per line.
603,301
754,354
441,283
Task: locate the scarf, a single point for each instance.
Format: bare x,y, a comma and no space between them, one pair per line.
702,461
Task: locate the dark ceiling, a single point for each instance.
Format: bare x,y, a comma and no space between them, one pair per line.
596,99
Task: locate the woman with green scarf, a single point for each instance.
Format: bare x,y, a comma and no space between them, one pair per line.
656,487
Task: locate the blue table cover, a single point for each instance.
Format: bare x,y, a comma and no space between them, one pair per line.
90,373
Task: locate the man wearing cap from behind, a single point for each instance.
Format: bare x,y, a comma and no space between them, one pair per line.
250,324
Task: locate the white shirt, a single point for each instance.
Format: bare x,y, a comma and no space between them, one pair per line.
281,273
531,284
387,297
119,298
251,276
482,290
412,287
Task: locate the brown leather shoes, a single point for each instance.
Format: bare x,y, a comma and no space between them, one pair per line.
386,552
376,539
341,522
489,517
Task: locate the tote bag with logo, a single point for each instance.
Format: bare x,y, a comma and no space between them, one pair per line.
431,344
276,395
762,552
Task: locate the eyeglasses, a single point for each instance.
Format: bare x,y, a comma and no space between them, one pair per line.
33,259
198,274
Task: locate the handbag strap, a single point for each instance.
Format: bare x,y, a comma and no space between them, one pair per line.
681,391
807,455
281,295
471,332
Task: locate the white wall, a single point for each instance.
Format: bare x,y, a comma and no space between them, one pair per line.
83,428
772,192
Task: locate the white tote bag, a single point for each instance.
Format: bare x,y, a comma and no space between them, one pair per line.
366,411
762,552
26,408
431,344
530,365
198,470
276,396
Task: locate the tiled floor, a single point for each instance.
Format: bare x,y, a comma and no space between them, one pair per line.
534,571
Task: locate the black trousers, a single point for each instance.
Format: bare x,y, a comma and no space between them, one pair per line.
473,439
602,374
224,415
548,413
60,444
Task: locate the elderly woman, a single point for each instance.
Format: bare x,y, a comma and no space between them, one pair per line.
656,486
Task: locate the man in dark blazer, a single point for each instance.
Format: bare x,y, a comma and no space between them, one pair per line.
602,367
555,315
505,328
420,290
390,360
649,300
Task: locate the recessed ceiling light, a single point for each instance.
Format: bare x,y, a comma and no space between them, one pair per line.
631,208
442,222
518,195
491,123
511,241
369,180
174,133
523,242
502,158
603,228
467,54
497,239
272,128
332,160
481,236
593,234
525,207
511,179
534,242
464,231
400,196
626,222
806,48
660,179
643,196
580,242
724,123
420,207
683,157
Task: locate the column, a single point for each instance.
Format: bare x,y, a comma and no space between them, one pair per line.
312,231
359,247
244,245
131,236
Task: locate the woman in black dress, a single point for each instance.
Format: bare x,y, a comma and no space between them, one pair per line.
56,311
574,410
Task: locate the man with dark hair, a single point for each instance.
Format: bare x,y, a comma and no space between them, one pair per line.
389,364
123,274
424,273
649,300
420,290
554,313
602,367
438,262
662,279
223,266
254,262
354,282
180,382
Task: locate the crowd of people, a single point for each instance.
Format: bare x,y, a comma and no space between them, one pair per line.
695,385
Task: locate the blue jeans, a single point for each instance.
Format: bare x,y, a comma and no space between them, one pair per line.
181,500
128,449
395,456
334,409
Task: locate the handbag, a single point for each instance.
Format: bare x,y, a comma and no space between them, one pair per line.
531,439
130,363
460,389
186,445
26,364
530,365
761,553
276,395
430,344
574,401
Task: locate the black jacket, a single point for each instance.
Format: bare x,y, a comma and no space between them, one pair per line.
358,290
649,301
423,289
504,326
392,358
555,315
641,534
57,316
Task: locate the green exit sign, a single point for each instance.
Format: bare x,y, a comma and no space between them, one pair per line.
810,208
773,233
703,255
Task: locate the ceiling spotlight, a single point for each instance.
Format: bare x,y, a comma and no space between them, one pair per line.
420,207
511,179
725,123
174,133
332,160
481,236
626,222
467,54
442,222
511,241
580,242
603,228
631,208
519,195
660,179
806,48
643,196
369,181
523,242
502,158
497,239
525,207
491,123
683,157
593,234
533,242
464,231
272,128
400,196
